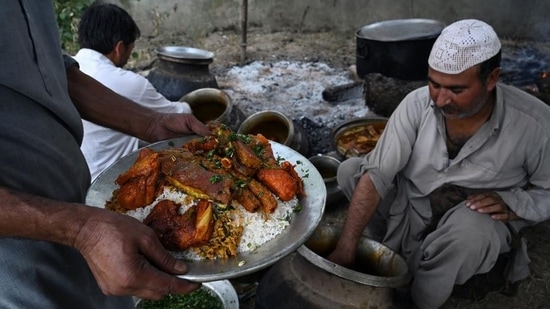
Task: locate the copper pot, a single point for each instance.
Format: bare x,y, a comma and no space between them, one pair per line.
213,104
277,127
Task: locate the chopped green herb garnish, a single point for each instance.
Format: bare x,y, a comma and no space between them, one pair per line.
198,299
210,154
259,150
215,179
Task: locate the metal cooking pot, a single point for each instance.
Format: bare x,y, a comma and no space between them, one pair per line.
180,70
277,127
307,280
396,48
214,104
328,167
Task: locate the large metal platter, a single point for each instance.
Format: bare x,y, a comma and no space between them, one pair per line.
302,225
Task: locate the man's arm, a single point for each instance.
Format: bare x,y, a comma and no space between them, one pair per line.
124,255
99,104
362,206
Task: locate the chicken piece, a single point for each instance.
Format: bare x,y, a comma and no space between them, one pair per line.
138,185
223,133
267,201
244,161
246,156
279,181
145,163
178,232
202,144
287,166
193,179
261,146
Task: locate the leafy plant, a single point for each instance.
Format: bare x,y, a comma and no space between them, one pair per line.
68,15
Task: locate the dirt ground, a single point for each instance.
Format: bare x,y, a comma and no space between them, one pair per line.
338,50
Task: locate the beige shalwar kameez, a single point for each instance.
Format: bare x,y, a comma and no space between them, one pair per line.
508,154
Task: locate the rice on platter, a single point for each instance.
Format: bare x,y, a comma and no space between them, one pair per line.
214,197
256,230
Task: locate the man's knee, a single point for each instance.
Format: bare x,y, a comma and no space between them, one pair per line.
345,176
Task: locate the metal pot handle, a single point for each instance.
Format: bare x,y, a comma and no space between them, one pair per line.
362,50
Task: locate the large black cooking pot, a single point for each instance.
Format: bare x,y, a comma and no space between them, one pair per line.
396,48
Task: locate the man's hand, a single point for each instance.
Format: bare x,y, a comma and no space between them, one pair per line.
165,126
491,203
343,254
127,258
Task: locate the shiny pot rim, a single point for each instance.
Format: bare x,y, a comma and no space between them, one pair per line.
220,96
327,160
342,127
260,116
184,54
396,30
365,243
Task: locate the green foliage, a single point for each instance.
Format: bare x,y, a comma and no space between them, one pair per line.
68,15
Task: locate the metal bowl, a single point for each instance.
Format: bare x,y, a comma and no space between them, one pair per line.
346,127
223,289
214,104
328,167
276,126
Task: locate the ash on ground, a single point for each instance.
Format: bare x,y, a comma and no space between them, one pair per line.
295,89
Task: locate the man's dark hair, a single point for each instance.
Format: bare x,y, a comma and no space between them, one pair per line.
102,25
487,66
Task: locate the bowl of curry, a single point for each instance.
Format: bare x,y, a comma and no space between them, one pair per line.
357,137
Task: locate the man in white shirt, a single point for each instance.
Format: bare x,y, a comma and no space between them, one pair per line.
106,35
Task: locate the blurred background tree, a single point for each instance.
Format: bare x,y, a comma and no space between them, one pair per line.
68,15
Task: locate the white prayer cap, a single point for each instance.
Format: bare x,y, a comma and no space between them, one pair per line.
462,45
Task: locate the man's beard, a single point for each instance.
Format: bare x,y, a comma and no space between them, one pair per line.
451,111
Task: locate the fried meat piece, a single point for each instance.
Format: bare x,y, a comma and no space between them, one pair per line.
267,201
193,179
202,144
247,199
279,181
178,232
138,185
264,150
245,161
287,166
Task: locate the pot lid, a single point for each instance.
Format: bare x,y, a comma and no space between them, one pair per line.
184,54
401,30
